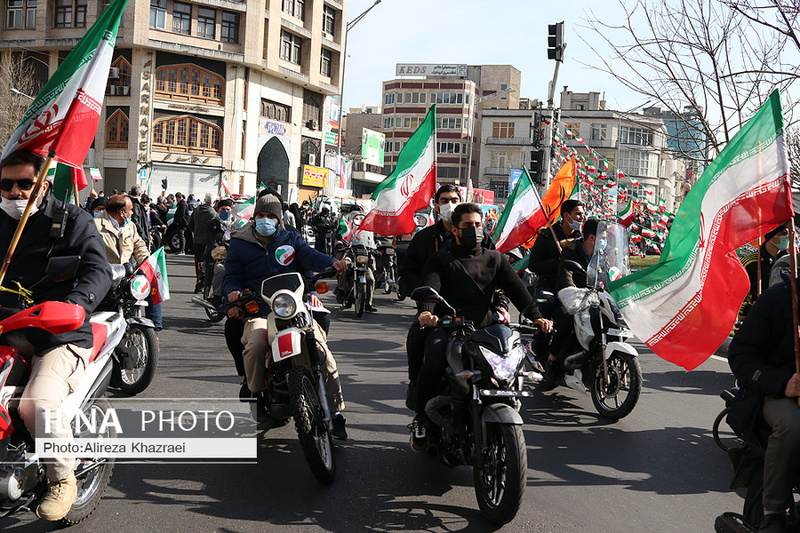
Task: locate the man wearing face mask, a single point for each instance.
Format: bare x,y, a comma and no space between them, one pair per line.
119,234
580,251
260,249
217,233
467,276
60,361
776,243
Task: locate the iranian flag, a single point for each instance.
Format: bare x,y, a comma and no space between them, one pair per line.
155,270
626,215
522,217
244,211
409,187
64,115
684,306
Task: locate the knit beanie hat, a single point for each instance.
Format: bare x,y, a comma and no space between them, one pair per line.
268,203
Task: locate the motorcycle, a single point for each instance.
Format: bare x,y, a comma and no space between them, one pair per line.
747,459
475,420
352,288
600,361
208,302
386,273
23,481
136,358
295,386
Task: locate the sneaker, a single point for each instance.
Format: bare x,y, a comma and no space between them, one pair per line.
59,499
198,288
339,431
551,376
371,309
773,523
244,392
419,436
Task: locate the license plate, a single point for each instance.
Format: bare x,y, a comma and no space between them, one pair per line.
287,344
506,393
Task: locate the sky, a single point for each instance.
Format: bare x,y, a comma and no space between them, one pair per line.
478,32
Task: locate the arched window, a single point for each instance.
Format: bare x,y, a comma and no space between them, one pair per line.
117,130
124,71
189,83
187,134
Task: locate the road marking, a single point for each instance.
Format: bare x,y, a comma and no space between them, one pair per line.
718,358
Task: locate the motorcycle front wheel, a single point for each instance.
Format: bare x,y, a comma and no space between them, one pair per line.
387,280
500,481
310,424
360,299
214,316
92,482
143,354
616,398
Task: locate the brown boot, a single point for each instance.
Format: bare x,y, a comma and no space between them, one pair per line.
59,499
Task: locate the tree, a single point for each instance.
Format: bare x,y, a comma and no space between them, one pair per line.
17,71
705,61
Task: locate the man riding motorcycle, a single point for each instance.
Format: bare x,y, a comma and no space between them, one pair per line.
467,275
761,356
217,233
60,360
262,248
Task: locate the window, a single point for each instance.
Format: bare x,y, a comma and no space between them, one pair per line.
574,127
124,72
206,22
638,163
188,135
639,136
411,122
158,14
295,8
500,160
388,99
117,127
325,61
229,32
504,130
312,110
599,132
189,83
328,20
500,188
450,148
448,123
21,12
291,48
411,98
70,14
447,98
182,18
388,123
276,111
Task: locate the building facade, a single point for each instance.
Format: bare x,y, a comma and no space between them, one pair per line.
364,178
201,92
508,144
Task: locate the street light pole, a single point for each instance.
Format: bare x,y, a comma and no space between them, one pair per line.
349,26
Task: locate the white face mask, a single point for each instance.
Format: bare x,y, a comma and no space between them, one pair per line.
446,212
15,208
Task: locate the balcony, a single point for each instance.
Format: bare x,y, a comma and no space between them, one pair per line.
335,3
497,171
292,74
299,30
509,141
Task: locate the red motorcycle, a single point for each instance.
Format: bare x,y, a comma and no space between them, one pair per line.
22,474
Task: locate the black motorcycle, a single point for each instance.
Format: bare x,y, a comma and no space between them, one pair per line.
386,272
474,420
211,301
352,287
136,357
747,459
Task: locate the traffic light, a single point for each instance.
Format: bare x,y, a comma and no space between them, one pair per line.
555,41
537,166
164,184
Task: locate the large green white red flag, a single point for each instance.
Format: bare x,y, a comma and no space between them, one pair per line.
64,115
155,270
409,187
521,218
684,307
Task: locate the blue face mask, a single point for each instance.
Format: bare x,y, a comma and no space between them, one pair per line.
601,244
125,222
266,227
224,215
97,213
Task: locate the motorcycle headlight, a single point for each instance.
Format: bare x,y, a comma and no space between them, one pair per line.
139,287
504,368
390,251
284,306
362,259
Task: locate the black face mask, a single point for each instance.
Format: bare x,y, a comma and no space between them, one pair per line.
471,237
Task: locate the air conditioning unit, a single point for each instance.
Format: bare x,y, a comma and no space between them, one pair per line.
312,159
124,90
111,90
113,73
312,124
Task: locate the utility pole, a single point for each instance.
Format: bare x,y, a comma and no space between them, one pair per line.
555,51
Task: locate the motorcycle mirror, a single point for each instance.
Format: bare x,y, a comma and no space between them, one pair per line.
62,268
321,287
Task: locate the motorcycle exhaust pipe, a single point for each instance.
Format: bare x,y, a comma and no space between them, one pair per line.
203,303
573,361
432,410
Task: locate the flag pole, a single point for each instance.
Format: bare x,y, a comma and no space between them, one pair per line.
795,310
25,216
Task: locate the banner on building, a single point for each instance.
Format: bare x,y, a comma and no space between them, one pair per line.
372,147
333,112
315,176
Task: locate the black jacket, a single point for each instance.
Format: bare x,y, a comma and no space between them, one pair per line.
761,353
544,255
425,243
470,290
141,219
28,265
182,214
566,278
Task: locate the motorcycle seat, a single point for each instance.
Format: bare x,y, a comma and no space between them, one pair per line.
99,336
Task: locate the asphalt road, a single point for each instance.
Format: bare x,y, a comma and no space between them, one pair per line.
656,470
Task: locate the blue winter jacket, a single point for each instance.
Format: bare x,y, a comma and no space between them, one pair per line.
250,260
